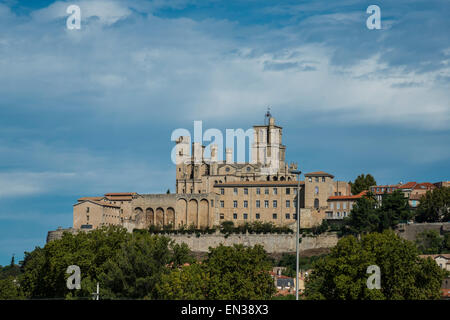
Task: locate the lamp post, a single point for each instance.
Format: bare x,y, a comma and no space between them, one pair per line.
298,173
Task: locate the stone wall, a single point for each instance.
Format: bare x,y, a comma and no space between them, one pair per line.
272,243
58,233
410,231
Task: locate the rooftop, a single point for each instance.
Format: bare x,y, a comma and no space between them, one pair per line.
318,174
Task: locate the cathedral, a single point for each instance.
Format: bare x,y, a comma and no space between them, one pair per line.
211,190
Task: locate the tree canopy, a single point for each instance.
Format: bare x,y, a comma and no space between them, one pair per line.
362,182
367,217
431,242
235,273
404,275
126,265
434,206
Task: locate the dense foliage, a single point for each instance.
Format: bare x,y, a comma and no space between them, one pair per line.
362,182
226,227
366,217
238,273
137,266
126,265
404,275
434,206
430,242
289,261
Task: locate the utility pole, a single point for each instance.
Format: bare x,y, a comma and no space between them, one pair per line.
298,173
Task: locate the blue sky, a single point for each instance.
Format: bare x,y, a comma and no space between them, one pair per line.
90,111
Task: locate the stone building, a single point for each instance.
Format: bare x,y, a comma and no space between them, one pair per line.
340,206
211,190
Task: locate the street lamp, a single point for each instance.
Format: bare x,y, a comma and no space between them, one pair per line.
298,173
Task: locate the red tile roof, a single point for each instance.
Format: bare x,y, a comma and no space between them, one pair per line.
351,197
408,185
425,185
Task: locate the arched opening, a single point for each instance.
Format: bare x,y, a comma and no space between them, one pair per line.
149,217
268,178
181,209
138,210
192,213
159,217
282,179
275,178
170,217
203,213
316,203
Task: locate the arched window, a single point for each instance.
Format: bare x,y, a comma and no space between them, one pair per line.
316,190
316,203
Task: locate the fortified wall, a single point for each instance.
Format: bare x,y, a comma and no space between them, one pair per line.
272,243
410,231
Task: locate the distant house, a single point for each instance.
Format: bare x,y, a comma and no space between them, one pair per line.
443,260
339,207
285,285
412,190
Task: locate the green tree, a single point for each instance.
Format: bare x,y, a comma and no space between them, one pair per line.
446,242
362,182
126,265
12,270
239,273
45,268
434,206
363,217
186,283
393,210
10,290
235,273
404,275
429,242
304,263
138,266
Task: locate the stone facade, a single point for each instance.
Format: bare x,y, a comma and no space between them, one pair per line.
212,190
